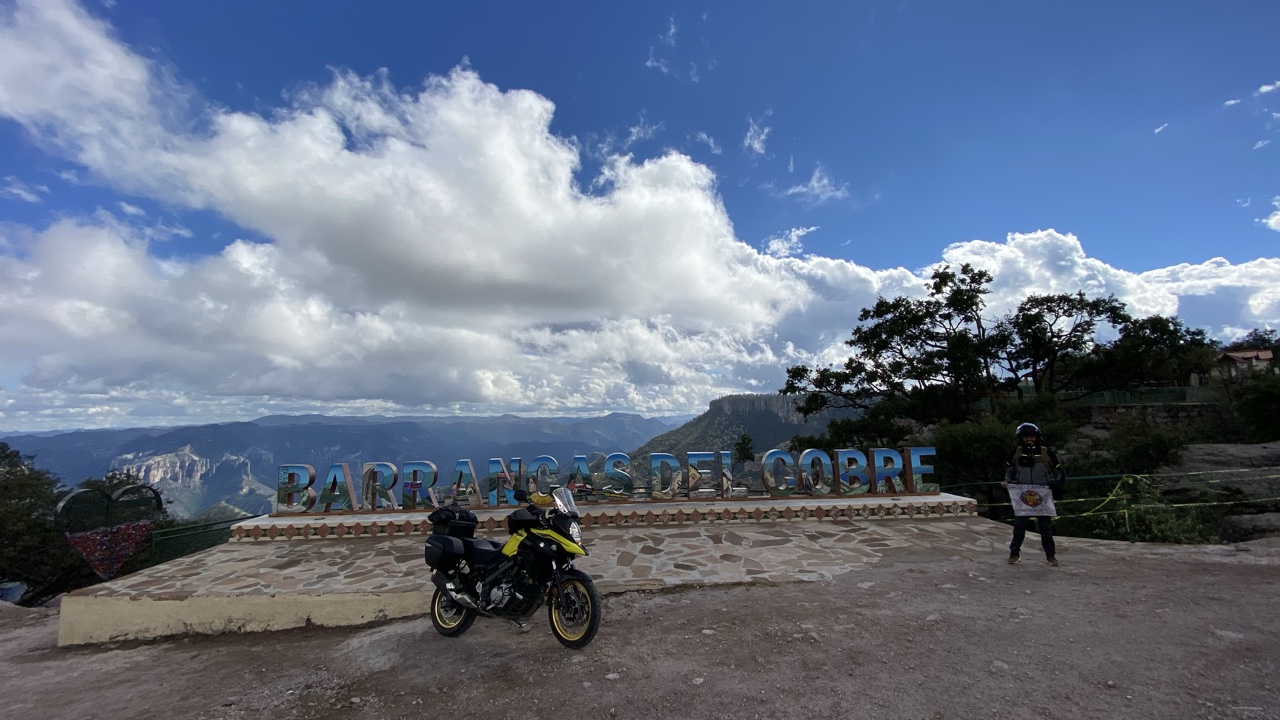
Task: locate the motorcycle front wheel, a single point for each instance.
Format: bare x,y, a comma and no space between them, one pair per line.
449,618
576,624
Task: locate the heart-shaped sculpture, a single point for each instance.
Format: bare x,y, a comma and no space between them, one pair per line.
106,529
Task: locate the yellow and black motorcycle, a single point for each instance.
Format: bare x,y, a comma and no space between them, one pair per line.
510,581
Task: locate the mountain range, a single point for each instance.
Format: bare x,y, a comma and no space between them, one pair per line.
231,468
770,421
200,467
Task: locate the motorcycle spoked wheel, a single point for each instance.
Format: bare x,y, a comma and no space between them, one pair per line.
449,618
576,626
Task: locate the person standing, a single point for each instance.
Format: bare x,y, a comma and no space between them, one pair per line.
1033,463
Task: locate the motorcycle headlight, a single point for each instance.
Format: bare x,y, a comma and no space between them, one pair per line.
575,532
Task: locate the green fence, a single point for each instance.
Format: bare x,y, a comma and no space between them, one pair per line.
172,543
1204,394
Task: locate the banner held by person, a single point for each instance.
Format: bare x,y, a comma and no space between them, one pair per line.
1032,501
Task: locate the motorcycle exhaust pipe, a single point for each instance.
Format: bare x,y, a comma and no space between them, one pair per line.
455,595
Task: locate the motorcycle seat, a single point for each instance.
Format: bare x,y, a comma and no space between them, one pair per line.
482,551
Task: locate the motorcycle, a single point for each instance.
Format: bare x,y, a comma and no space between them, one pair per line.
475,577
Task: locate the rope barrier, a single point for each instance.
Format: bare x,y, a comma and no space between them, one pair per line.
1094,511
1097,509
1217,472
1152,479
1055,502
1209,504
1230,480
1110,496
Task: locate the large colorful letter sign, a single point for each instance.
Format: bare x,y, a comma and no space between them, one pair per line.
705,474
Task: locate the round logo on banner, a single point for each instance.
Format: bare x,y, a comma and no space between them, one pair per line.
1031,498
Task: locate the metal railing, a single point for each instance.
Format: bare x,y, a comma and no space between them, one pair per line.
175,542
1203,394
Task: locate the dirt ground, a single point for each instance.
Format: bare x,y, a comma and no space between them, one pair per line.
1121,632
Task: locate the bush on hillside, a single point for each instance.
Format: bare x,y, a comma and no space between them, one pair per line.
1256,402
972,452
1218,424
1139,446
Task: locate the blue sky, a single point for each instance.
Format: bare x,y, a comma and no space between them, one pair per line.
218,210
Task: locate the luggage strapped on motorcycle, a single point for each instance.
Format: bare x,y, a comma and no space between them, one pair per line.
453,520
525,518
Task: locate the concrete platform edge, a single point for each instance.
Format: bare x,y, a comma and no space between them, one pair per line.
86,619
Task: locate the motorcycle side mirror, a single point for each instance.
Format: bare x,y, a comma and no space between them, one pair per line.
521,495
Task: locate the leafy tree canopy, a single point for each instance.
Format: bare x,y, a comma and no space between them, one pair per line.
941,346
941,358
742,450
32,548
1255,339
1049,331
1154,350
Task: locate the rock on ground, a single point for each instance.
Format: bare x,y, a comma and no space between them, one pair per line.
1241,528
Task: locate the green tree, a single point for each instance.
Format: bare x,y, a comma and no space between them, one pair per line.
742,450
33,546
930,358
1256,401
33,549
1049,331
1255,339
1139,446
1153,349
972,452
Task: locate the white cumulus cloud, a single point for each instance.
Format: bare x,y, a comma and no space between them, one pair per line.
1273,220
787,244
425,249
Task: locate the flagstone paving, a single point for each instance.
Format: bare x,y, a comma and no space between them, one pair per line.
620,559
386,576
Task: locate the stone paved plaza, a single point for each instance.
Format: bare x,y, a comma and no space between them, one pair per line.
246,586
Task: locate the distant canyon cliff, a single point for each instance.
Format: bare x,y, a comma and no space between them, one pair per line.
231,467
219,467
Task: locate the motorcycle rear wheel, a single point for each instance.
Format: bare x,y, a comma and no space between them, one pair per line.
449,618
576,626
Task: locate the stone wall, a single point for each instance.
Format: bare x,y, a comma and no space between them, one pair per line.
1106,417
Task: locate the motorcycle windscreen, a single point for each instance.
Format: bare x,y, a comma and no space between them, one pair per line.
564,501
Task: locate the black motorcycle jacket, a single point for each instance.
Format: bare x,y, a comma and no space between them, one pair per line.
1034,465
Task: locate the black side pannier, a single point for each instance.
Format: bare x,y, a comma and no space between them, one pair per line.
454,520
443,552
522,519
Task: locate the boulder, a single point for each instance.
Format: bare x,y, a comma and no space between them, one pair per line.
1214,456
1241,528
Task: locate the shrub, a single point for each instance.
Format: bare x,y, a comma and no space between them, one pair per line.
1139,446
972,452
1256,402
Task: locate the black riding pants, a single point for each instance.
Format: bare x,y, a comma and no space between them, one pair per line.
1044,525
